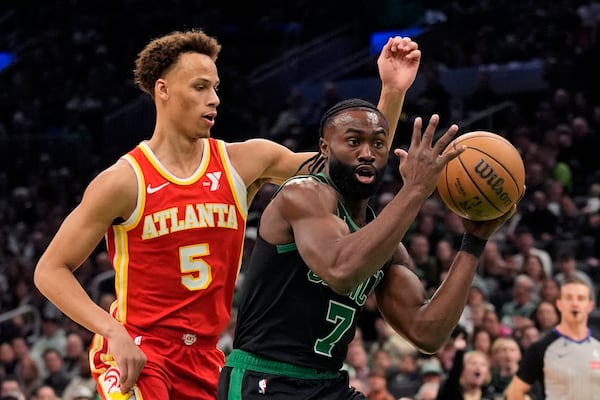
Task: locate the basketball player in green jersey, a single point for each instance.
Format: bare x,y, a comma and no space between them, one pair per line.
321,251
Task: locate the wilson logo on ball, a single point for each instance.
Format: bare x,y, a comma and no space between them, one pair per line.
495,182
485,180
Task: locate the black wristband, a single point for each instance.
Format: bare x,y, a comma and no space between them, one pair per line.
472,244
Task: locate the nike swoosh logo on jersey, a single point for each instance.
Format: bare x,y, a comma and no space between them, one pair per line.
151,189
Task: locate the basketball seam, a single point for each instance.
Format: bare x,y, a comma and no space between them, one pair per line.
447,184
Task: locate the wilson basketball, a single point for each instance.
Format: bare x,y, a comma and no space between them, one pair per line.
485,180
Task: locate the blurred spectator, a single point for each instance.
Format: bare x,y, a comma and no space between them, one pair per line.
8,359
431,371
404,377
469,376
11,389
525,245
29,374
425,263
444,256
567,266
378,385
53,336
44,392
539,219
583,153
478,294
82,380
79,393
428,391
527,335
492,324
534,269
56,377
381,359
481,340
506,355
545,316
524,301
392,342
550,290
357,361
73,353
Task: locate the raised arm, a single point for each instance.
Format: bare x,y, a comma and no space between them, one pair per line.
398,64
270,162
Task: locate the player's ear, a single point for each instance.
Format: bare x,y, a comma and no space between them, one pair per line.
161,90
324,147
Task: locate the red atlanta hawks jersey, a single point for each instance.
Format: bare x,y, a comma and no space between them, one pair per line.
177,257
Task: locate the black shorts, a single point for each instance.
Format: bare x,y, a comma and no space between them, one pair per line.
246,377
262,386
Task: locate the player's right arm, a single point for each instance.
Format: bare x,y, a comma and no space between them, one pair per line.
111,195
517,389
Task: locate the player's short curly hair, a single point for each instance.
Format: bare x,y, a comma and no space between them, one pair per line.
161,53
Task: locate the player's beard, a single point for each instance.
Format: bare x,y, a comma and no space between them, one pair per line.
343,177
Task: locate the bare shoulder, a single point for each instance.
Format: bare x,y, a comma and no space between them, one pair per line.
113,190
300,199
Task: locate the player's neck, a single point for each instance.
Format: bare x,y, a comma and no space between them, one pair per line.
180,156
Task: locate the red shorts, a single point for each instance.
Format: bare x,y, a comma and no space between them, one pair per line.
179,366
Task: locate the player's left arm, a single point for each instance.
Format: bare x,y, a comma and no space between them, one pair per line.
426,323
401,297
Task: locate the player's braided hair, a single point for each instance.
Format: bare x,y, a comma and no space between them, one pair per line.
317,162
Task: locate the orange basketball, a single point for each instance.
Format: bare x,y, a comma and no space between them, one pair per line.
485,180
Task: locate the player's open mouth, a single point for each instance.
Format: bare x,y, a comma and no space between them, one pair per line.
365,174
210,116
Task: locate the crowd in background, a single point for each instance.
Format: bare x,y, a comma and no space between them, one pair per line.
75,68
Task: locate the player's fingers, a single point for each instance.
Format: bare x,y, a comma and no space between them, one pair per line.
431,127
446,138
452,154
416,136
400,153
125,377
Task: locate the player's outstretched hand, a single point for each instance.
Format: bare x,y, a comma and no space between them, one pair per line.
423,163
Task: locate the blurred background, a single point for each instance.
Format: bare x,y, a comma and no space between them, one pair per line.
69,108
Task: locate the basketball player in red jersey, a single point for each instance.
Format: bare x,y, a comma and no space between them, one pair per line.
173,214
